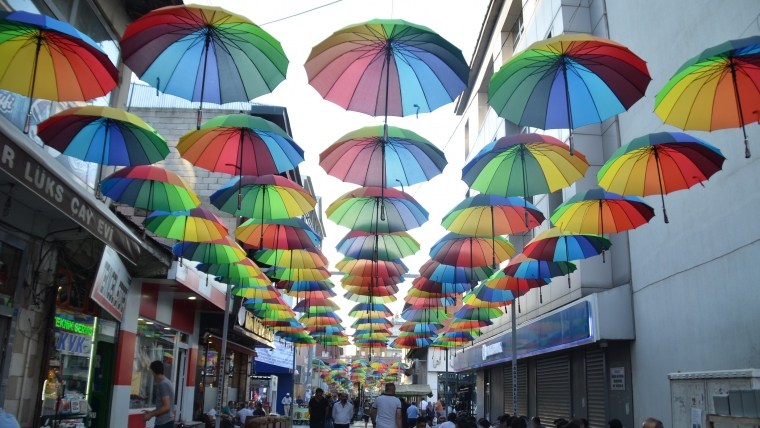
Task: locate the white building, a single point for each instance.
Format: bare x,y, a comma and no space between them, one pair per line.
671,297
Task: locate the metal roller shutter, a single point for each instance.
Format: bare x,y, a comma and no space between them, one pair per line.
553,393
522,388
596,388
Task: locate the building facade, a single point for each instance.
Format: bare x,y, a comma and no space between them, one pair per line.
666,273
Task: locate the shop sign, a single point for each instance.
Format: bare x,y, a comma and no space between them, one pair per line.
111,284
492,349
250,323
617,378
73,326
72,343
280,356
47,185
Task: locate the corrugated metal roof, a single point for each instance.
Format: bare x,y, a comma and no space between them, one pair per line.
142,95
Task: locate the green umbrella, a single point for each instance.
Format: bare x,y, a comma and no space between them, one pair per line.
224,250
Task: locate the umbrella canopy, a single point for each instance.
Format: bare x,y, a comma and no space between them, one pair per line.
439,272
267,196
203,53
521,266
429,302
151,188
372,290
473,313
369,299
288,274
266,292
568,81
596,212
425,315
484,293
224,250
282,234
45,58
103,135
257,281
370,310
369,268
430,286
387,67
524,165
416,292
376,209
311,305
240,144
361,245
245,268
489,215
366,156
365,281
660,163
412,342
195,225
558,245
717,89
311,258
460,324
424,328
468,251
501,281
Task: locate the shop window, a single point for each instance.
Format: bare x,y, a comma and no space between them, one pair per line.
10,261
74,292
154,343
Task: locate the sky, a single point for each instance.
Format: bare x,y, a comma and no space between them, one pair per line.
317,123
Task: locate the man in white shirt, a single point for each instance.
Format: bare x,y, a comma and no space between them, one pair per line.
449,422
386,410
243,413
423,406
286,401
342,412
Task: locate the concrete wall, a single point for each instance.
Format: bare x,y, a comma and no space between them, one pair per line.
695,295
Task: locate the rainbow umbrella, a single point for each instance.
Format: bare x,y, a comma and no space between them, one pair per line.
485,293
203,53
369,299
427,285
224,250
195,225
307,289
439,272
266,304
524,165
267,196
524,267
597,212
660,163
473,313
41,57
366,281
717,89
329,318
416,292
429,302
501,282
420,328
243,283
370,310
265,292
312,306
411,342
103,135
245,268
372,290
558,245
283,234
361,245
369,157
460,324
377,209
489,215
468,251
288,274
369,268
387,67
151,188
568,81
371,323
425,315
310,258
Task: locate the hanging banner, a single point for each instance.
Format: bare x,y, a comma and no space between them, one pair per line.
280,356
111,284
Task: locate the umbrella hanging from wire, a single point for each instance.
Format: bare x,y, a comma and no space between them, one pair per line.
267,196
150,188
557,245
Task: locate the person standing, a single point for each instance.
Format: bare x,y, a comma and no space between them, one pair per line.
343,411
412,413
164,412
286,401
366,410
259,409
439,408
318,408
356,408
299,401
386,410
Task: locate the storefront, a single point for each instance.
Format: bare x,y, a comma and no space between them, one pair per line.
277,363
565,362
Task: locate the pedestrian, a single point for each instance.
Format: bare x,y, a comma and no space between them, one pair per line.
439,408
484,423
421,423
245,413
615,423
461,422
404,416
163,413
259,409
286,401
519,423
423,405
366,410
536,422
318,409
449,423
649,423
343,411
412,413
386,410
356,408
299,401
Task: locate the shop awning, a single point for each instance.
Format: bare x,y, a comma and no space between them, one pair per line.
36,170
232,346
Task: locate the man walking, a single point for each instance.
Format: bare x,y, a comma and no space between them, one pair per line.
412,413
286,401
318,408
343,411
164,413
386,410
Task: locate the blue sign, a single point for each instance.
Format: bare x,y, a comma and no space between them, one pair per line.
571,326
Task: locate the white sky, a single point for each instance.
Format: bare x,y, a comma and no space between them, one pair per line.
317,123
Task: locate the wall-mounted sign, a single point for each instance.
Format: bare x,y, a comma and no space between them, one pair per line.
617,378
250,324
72,343
492,349
111,284
73,326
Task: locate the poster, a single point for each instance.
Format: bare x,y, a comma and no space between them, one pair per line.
300,415
280,356
696,417
111,284
617,378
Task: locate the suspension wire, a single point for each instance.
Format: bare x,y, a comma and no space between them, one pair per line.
300,13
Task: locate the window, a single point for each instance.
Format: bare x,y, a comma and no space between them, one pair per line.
154,342
10,261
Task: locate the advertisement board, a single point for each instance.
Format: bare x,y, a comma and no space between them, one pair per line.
280,356
111,284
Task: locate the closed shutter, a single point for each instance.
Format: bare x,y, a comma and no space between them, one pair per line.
596,388
553,388
522,388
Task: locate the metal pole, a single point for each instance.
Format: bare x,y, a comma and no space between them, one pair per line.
223,354
514,359
293,383
446,385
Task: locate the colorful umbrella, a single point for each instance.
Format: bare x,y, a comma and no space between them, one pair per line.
489,215
245,268
195,225
524,267
370,310
524,165
311,258
224,250
429,302
425,328
288,274
484,293
203,53
425,315
365,281
267,196
568,81
660,163
460,324
387,67
372,290
597,212
103,135
468,251
283,234
430,286
151,188
312,306
41,57
472,313
439,272
266,292
369,299
717,89
369,268
376,209
558,245
367,157
500,281
361,245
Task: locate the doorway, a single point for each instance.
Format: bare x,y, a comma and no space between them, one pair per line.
101,390
180,379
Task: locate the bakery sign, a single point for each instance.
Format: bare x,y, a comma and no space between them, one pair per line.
36,177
